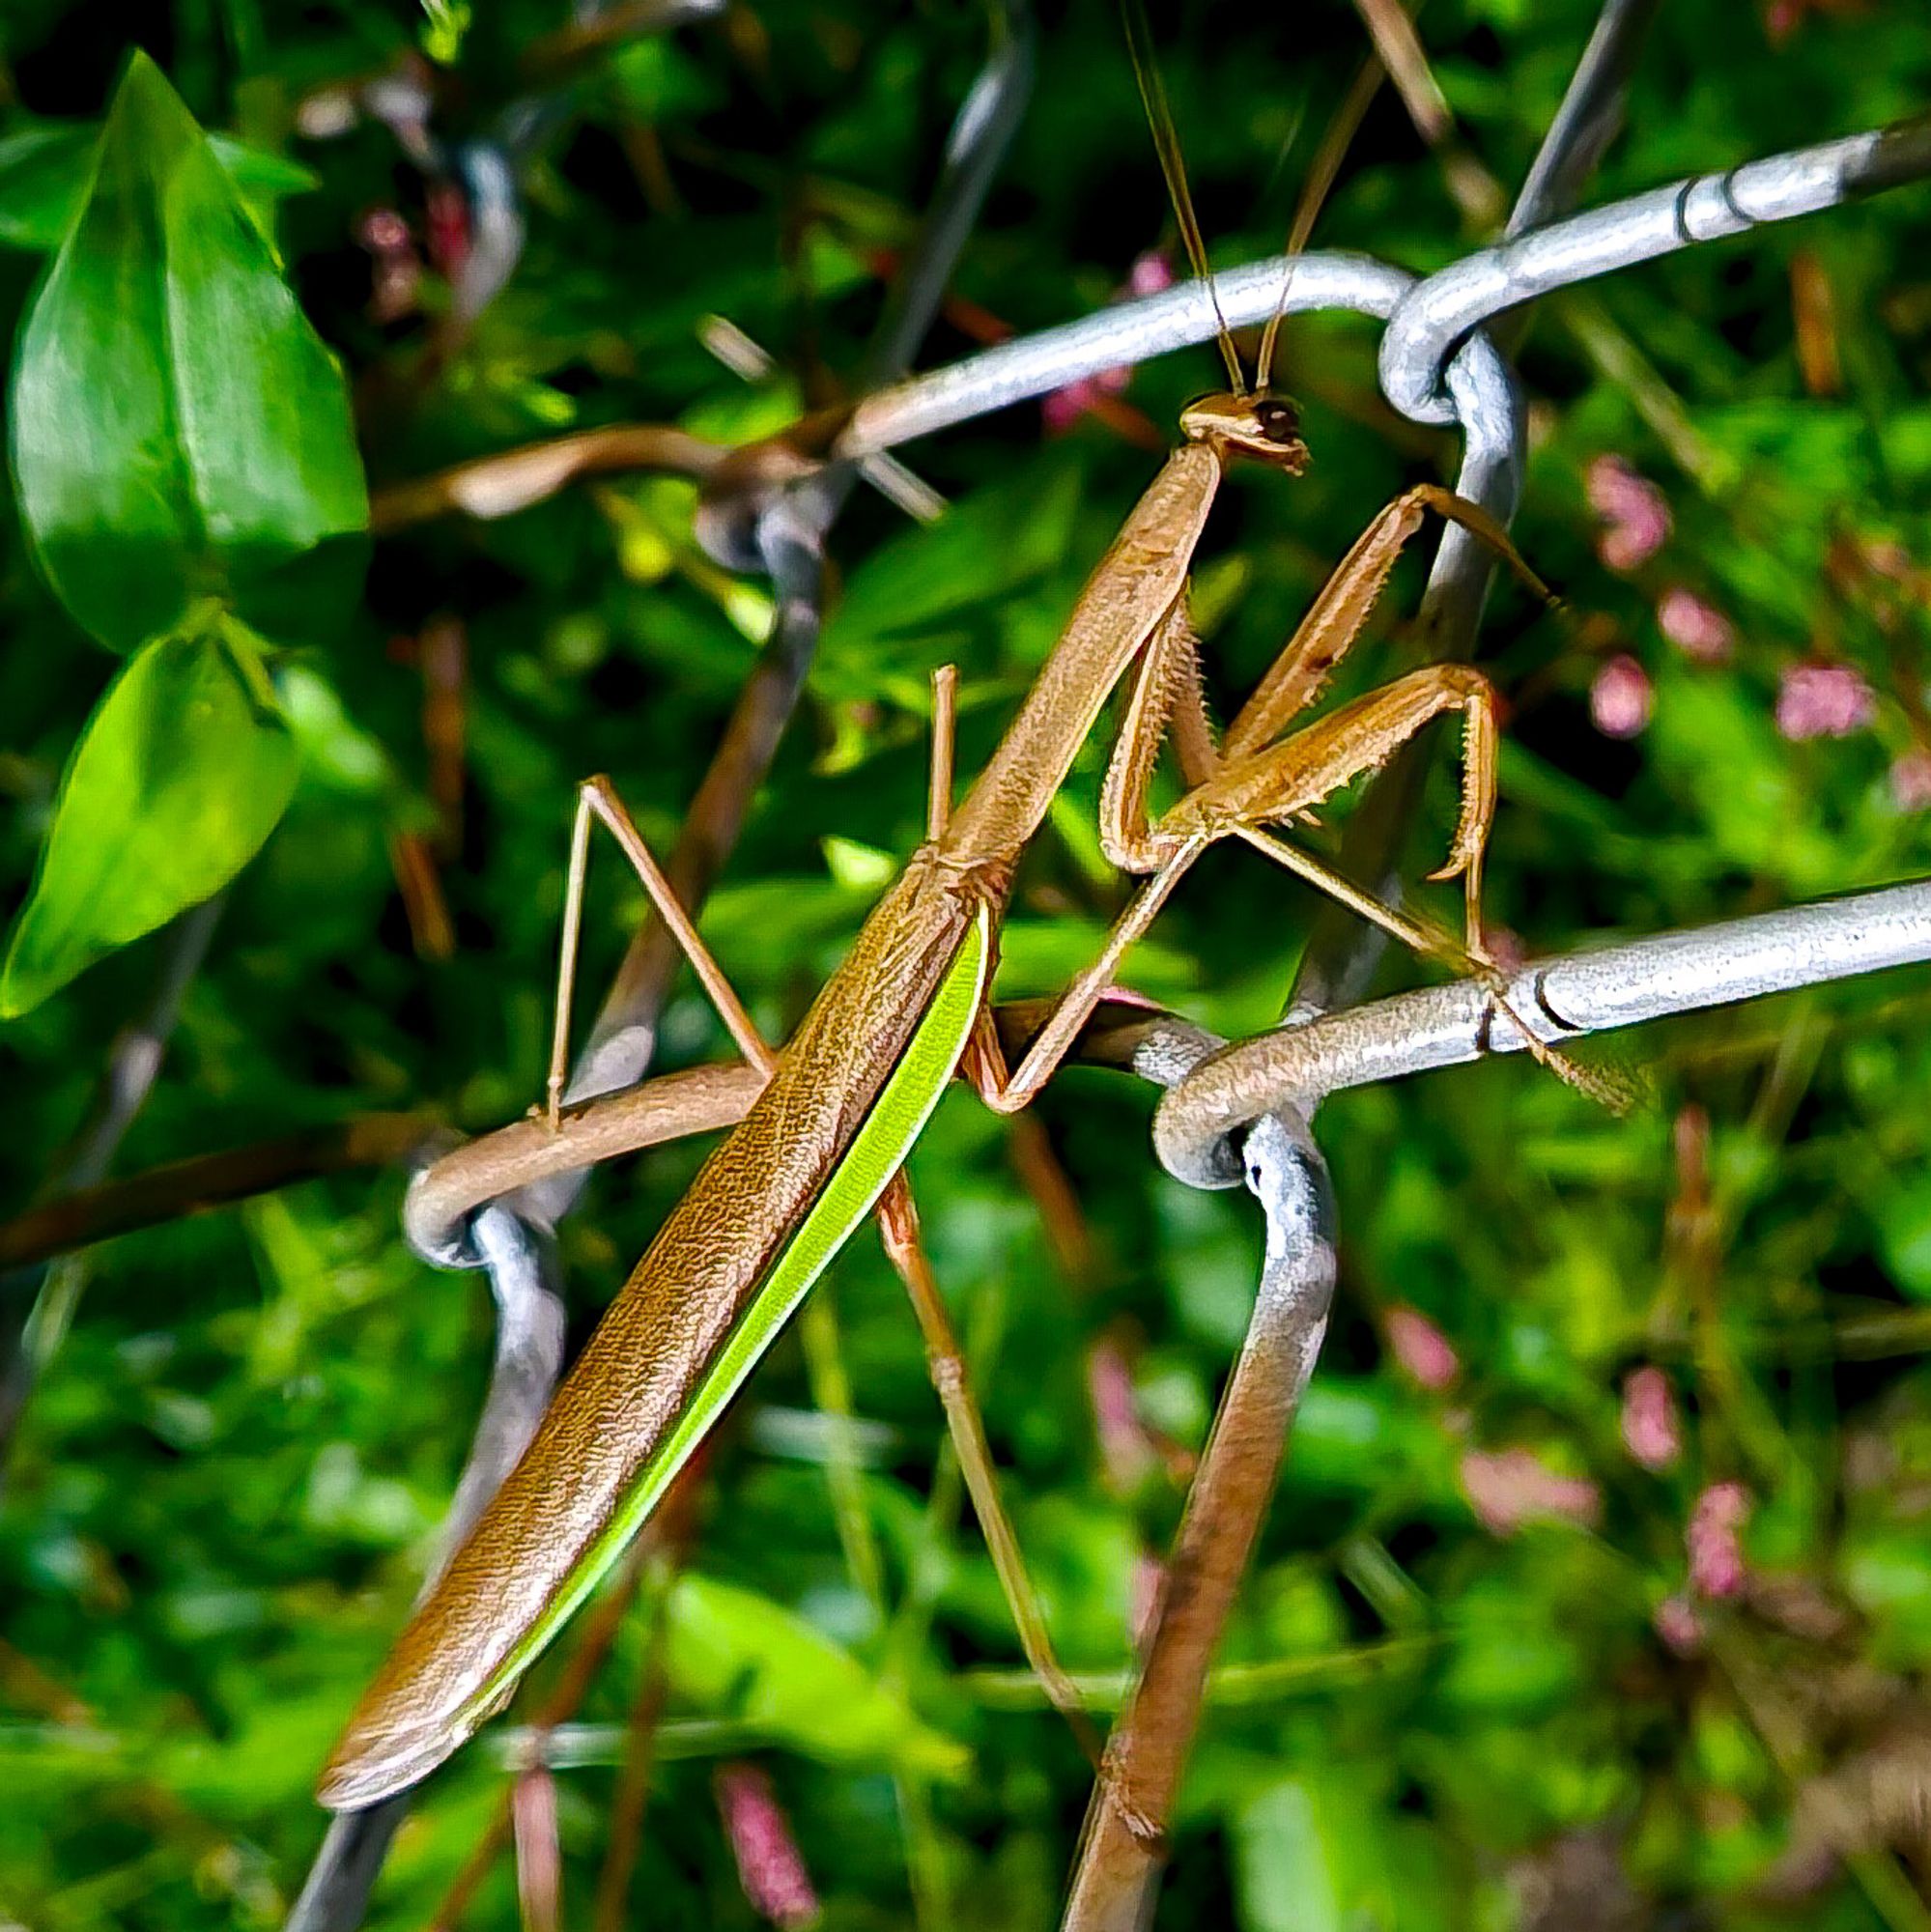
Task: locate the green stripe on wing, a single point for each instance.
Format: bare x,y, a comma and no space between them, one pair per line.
890,1131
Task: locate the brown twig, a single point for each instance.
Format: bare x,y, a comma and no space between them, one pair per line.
585,1661
513,479
1476,191
1043,1176
208,1181
442,656
676,1528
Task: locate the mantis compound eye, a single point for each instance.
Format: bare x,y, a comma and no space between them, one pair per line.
1279,421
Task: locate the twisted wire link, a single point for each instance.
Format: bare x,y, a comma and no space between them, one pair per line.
1440,313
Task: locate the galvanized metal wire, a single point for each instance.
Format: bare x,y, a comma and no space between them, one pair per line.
1555,1000
1431,320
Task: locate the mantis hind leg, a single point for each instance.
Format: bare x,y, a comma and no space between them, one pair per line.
598,802
1288,779
904,1246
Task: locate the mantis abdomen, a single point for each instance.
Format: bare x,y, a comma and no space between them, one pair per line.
807,1163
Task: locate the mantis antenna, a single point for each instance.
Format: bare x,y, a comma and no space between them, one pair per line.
1173,165
1335,143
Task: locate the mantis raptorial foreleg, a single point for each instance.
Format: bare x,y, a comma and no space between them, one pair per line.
1289,780
1338,616
897,1218
1256,776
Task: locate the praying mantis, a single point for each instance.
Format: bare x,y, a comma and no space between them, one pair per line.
831,1119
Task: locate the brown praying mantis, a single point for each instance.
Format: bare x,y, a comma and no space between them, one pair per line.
831,1119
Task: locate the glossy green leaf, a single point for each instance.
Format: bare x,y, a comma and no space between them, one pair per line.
181,772
179,430
744,1655
45,173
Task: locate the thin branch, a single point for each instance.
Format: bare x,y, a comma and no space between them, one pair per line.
500,484
133,1064
208,1181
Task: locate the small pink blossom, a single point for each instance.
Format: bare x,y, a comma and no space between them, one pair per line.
1679,1625
769,1866
1911,781
1514,1486
1698,630
1652,1431
1064,406
1621,699
1824,701
1507,951
1152,270
1425,1356
1635,512
1715,1540
1125,1447
397,269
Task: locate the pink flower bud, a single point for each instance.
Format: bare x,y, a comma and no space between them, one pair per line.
1514,1486
1125,1447
1424,1353
1698,630
1911,781
1621,699
1064,406
1634,510
1824,701
769,1866
1715,1540
1651,1431
1507,953
1679,1625
1151,273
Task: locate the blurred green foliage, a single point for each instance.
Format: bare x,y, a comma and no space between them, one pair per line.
1472,1681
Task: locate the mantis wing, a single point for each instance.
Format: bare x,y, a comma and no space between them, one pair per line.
392,1741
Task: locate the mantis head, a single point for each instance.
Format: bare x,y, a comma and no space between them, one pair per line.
1262,426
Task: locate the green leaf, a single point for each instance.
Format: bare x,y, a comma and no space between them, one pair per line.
179,430
738,1651
45,173
179,774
